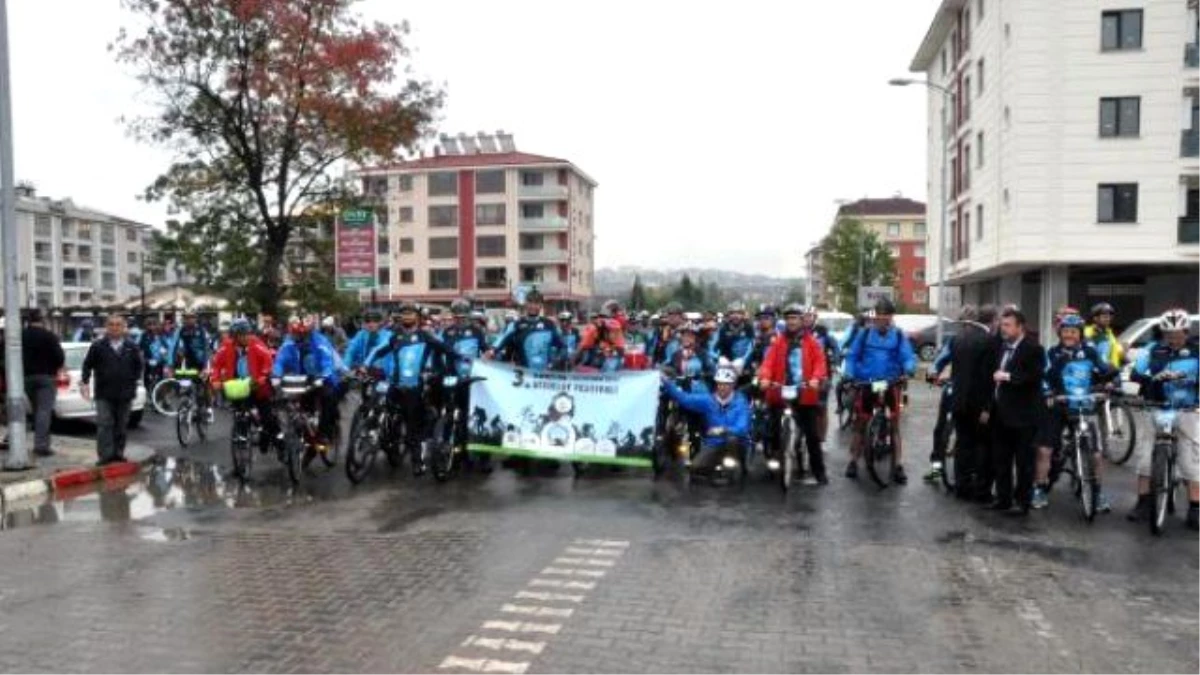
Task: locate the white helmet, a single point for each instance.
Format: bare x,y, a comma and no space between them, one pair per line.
328,322
1172,320
725,375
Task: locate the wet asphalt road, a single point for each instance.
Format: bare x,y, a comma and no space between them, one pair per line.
183,570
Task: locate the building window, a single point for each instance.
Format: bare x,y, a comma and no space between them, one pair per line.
1117,202
979,11
920,297
532,242
966,232
491,278
442,248
70,277
44,276
1120,116
1121,29
43,251
381,217
443,216
532,275
489,214
134,279
83,231
375,186
443,280
404,183
108,234
406,277
979,149
406,245
978,222
68,228
490,247
532,178
382,247
130,234
966,168
919,275
385,276
405,214
919,251
944,68
919,230
108,257
966,99
489,182
108,281
894,250
131,257
533,210
85,253
443,184
893,229
979,77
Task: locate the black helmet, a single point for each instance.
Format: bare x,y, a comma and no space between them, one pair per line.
460,307
372,315
534,295
406,307
1102,308
767,309
884,307
794,309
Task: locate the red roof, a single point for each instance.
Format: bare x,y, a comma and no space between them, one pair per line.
891,206
469,161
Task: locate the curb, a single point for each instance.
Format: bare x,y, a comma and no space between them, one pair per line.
71,481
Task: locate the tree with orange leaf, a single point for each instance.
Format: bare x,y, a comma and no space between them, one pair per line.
260,101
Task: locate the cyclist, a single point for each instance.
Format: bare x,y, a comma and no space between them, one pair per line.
796,358
369,338
664,340
764,333
570,339
689,359
860,324
244,355
1169,371
307,352
154,345
467,340
335,333
189,346
637,339
707,334
602,346
936,373
725,417
882,352
735,338
532,341
1071,365
1099,334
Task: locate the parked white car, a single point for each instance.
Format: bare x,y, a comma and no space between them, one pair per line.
70,405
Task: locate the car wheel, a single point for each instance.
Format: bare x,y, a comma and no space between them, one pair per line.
928,352
135,419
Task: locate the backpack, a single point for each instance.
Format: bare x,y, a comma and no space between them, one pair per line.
862,336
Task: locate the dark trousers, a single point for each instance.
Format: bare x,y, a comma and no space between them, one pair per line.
808,424
112,419
1011,444
41,390
411,408
973,464
945,406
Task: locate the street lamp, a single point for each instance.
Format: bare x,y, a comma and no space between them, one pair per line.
948,99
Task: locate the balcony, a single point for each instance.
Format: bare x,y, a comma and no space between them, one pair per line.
546,191
1189,143
543,224
1189,229
1191,55
547,287
544,255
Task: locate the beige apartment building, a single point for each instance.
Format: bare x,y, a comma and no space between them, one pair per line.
480,218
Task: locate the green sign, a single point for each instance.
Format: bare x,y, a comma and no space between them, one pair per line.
355,283
356,217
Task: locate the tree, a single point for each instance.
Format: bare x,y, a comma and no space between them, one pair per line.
843,247
637,295
687,294
259,100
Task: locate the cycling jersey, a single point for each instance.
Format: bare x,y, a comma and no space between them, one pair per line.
313,356
692,363
155,347
1071,371
1105,343
1157,358
570,339
363,344
735,343
467,342
876,356
409,355
602,348
531,342
189,347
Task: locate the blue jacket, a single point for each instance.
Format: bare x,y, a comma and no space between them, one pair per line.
1156,358
363,343
155,348
315,357
408,356
944,356
468,342
1072,371
872,356
735,343
734,416
531,342
190,347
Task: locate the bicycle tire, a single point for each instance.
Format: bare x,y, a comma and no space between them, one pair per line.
201,421
183,423
787,453
950,469
164,397
846,413
331,456
1121,440
1160,486
881,459
361,449
441,453
239,447
394,433
1085,467
293,448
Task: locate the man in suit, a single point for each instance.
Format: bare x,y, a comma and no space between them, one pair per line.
1017,396
972,364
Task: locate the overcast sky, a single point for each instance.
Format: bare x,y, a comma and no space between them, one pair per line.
720,133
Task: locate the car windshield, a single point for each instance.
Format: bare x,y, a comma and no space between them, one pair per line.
1137,329
75,356
837,324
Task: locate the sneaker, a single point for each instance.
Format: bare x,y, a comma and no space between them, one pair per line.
898,475
934,474
852,471
1040,498
1103,505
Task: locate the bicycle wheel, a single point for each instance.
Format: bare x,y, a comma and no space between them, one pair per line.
183,423
165,397
845,408
950,471
787,452
239,447
881,460
334,452
1121,438
201,418
293,449
1085,467
1160,486
362,448
441,450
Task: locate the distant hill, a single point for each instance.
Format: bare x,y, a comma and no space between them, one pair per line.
617,281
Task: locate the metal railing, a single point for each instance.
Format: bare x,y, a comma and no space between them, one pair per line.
543,223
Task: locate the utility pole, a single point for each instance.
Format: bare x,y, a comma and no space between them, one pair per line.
18,453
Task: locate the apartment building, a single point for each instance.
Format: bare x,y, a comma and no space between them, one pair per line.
1070,129
816,291
899,223
479,218
76,257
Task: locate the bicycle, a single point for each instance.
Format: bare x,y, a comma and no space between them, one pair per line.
844,392
373,428
674,441
951,473
879,439
1118,429
1163,479
300,437
448,440
245,429
785,459
195,406
1077,450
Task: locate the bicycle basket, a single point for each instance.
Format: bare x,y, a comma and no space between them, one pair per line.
236,390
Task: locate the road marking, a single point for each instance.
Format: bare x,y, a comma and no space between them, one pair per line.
504,643
523,627
484,665
614,552
568,561
566,584
584,561
603,542
548,597
596,574
534,610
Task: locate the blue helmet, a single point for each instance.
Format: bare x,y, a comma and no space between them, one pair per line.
239,325
1071,321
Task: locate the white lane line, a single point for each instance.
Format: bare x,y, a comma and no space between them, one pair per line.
595,574
603,542
568,561
484,665
504,643
565,584
584,561
523,627
596,562
533,610
548,597
610,552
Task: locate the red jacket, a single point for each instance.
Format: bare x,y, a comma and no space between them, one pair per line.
259,361
812,364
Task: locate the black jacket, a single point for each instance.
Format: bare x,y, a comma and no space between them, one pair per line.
41,352
972,365
117,375
1019,401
